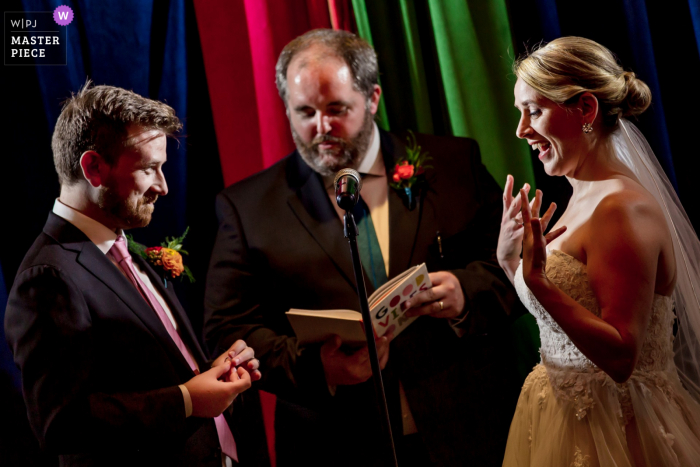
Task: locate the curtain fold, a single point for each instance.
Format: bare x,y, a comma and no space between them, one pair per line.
639,36
475,53
695,16
416,67
365,32
240,50
449,72
341,15
272,120
228,64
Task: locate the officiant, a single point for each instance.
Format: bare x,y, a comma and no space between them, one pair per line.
449,378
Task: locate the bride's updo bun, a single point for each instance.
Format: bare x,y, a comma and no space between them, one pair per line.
569,66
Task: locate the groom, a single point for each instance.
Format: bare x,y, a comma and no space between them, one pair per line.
449,379
112,373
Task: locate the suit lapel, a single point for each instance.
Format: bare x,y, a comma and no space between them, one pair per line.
313,208
97,263
185,328
404,224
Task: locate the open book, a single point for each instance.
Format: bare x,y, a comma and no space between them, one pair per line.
384,307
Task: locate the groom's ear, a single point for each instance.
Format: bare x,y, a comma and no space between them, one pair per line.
93,165
588,104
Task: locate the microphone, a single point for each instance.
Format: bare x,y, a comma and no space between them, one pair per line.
348,184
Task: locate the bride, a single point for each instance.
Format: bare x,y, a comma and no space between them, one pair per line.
614,286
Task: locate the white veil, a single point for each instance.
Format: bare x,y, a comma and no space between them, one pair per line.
633,150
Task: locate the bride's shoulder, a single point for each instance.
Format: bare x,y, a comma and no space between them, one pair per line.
625,202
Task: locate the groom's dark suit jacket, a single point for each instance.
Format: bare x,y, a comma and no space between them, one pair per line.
280,245
99,370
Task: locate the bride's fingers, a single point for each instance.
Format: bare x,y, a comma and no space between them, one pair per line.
538,242
524,202
508,192
548,216
514,207
554,234
536,203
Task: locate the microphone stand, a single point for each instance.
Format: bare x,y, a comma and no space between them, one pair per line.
350,230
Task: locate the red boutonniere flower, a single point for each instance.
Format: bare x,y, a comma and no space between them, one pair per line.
166,258
409,172
403,171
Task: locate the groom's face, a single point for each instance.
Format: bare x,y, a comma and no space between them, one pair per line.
331,121
132,184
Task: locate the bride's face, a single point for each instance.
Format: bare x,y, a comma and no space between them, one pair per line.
553,129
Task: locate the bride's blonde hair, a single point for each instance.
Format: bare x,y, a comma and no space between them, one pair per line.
569,66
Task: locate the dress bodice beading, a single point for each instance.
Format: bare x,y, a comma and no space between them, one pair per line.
558,351
571,373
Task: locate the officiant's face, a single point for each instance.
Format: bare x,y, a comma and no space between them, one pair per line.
551,128
331,121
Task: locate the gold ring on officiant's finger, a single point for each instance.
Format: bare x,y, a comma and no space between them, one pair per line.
442,305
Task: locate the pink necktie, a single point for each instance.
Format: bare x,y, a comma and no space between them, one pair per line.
120,253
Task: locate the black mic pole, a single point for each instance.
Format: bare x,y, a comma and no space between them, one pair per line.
350,230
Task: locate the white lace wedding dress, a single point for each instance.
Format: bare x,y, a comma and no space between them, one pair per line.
570,413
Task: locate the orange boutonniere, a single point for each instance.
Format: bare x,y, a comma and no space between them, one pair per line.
409,172
166,258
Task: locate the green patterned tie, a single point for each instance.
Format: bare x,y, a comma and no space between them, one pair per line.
367,243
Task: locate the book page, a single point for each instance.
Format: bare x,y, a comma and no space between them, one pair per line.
337,314
312,326
386,311
389,286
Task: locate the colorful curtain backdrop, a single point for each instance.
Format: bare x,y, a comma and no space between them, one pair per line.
460,83
240,42
445,69
451,59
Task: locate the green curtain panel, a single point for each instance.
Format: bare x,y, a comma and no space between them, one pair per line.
446,69
475,53
364,31
416,69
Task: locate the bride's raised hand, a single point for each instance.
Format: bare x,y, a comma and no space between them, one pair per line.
510,238
534,241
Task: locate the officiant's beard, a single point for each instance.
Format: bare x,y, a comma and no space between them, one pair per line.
131,212
348,153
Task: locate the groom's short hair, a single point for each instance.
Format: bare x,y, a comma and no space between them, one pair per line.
97,118
353,50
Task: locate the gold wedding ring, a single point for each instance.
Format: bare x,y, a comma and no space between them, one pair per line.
442,305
